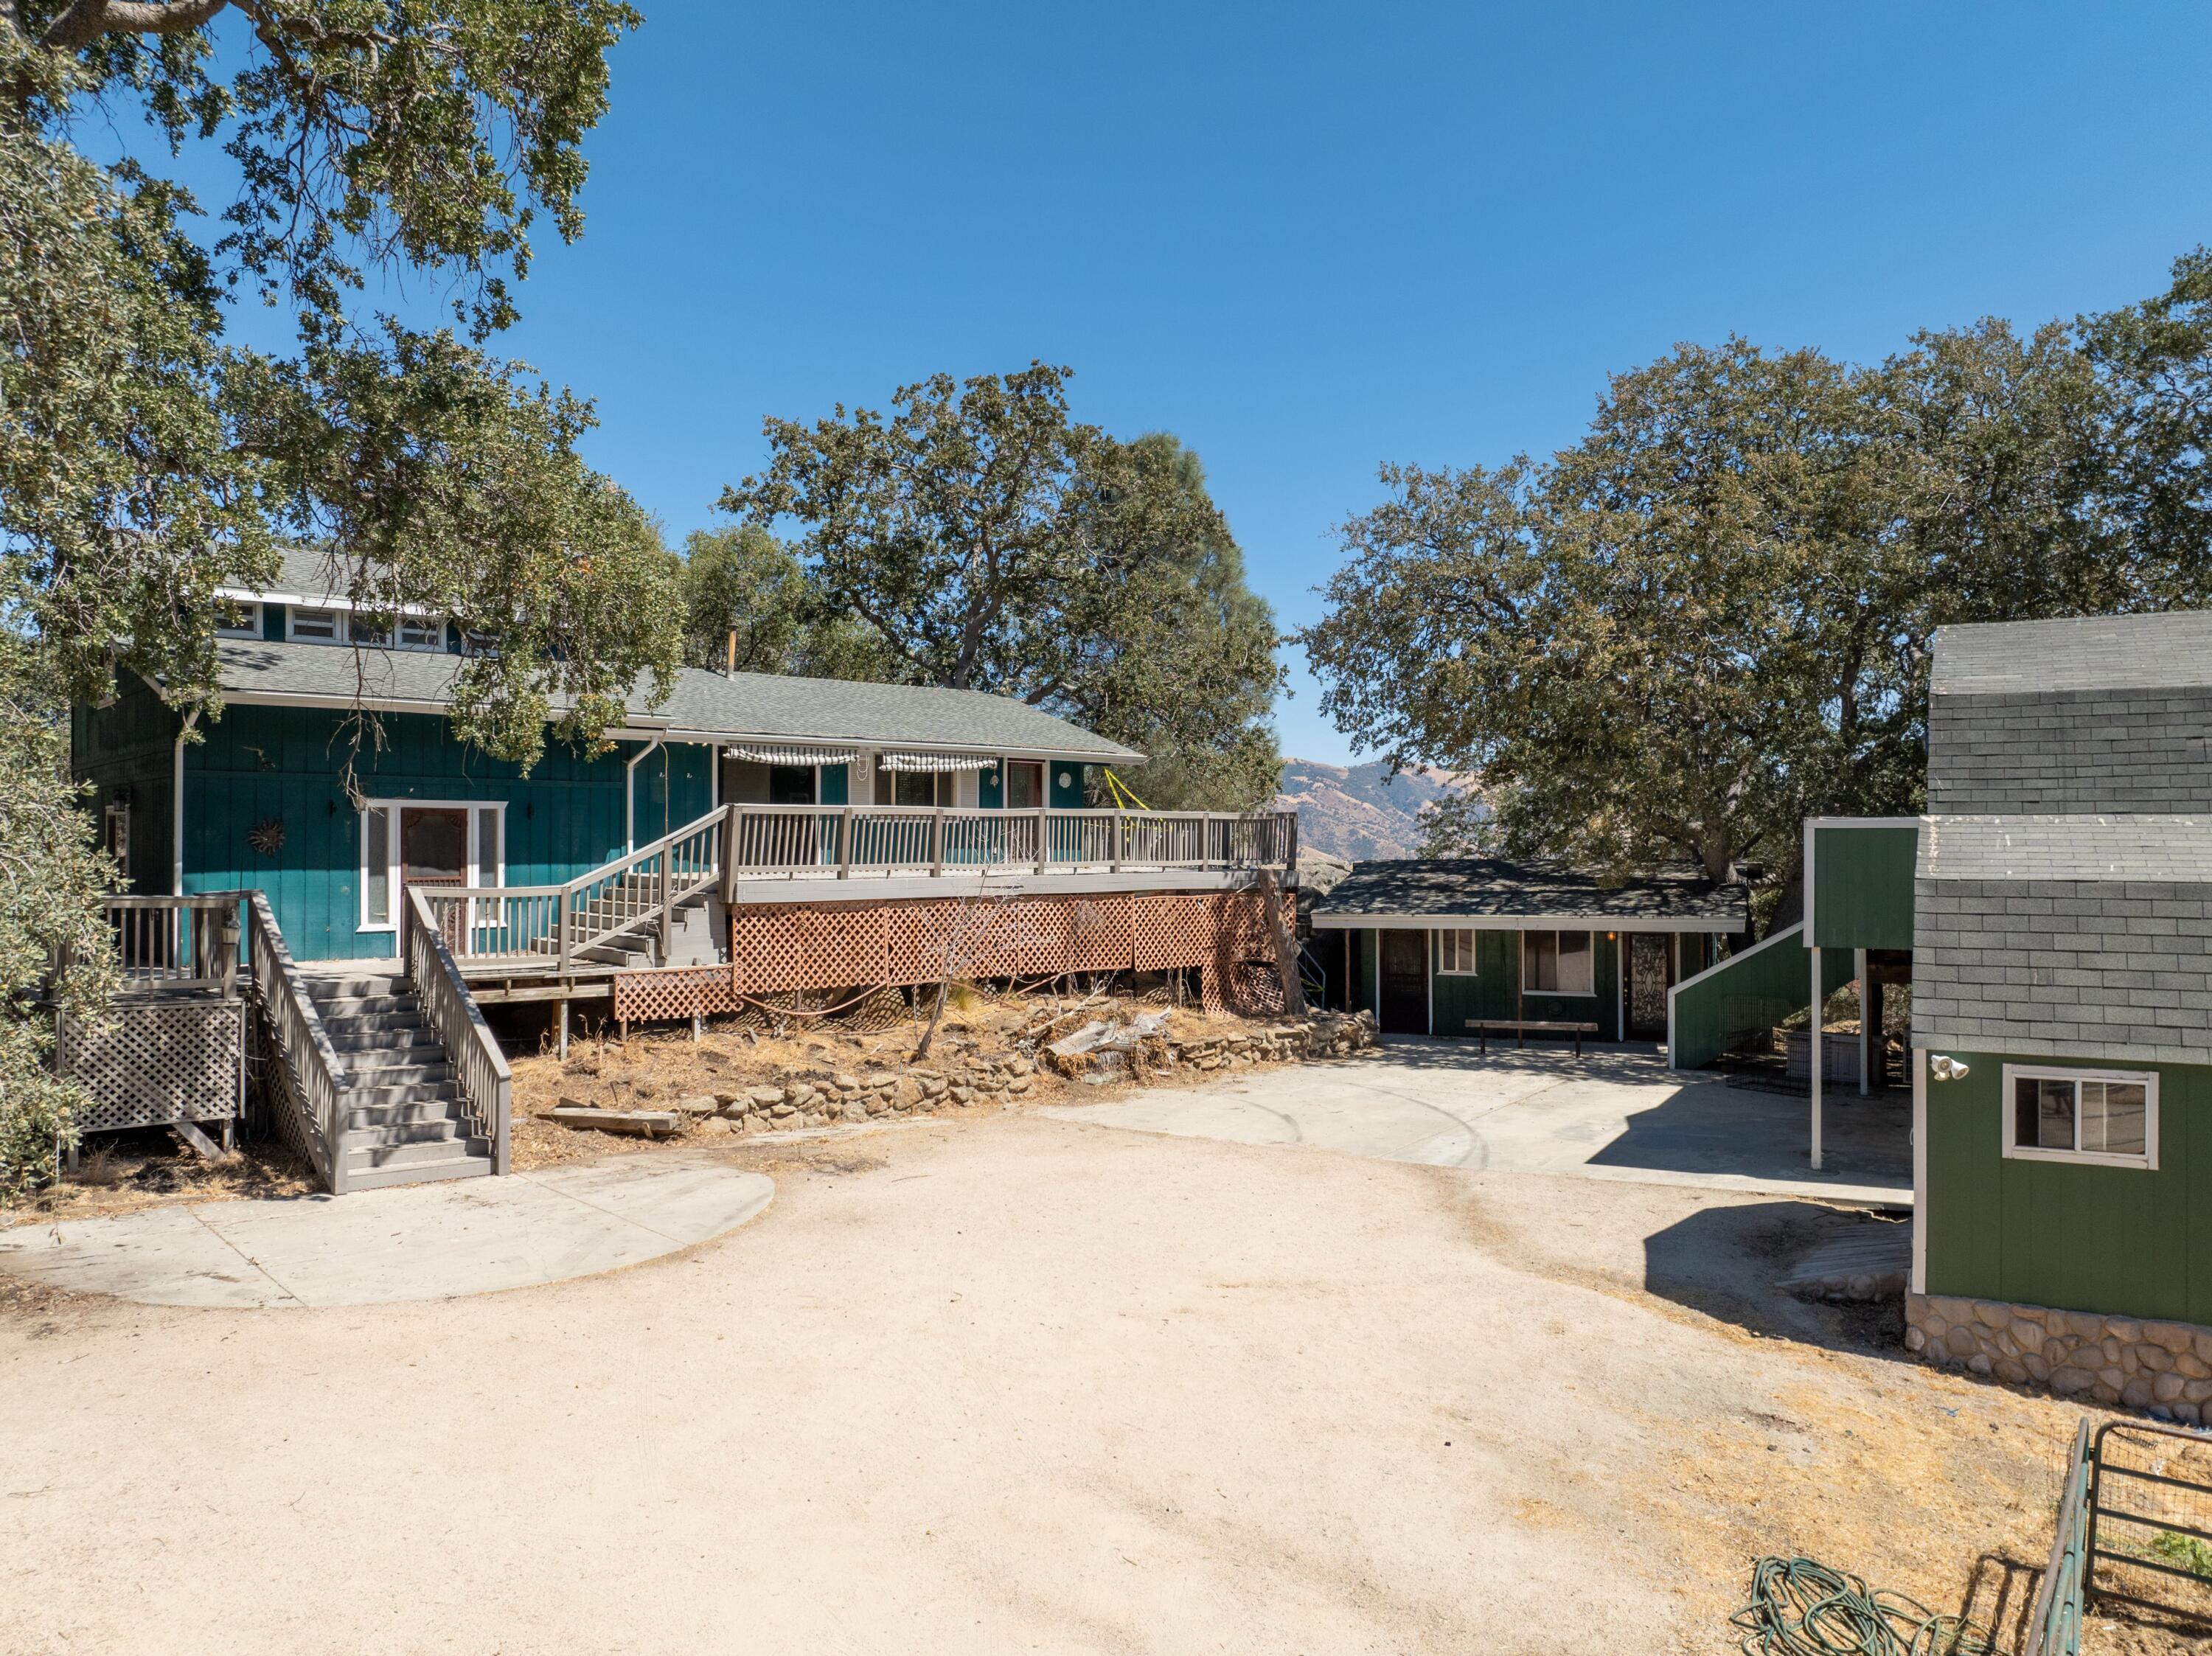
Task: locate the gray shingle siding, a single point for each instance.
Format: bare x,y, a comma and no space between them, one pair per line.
2056,751
2045,966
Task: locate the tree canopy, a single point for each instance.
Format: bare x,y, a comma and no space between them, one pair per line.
1711,617
146,460
984,539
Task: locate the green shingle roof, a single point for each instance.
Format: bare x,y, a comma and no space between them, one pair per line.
708,706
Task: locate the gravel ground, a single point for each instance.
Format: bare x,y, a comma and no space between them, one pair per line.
1021,1384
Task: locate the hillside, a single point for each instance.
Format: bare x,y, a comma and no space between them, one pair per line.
1358,811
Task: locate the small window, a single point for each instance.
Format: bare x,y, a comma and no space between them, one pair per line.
313,626
790,785
1456,953
420,634
236,619
1556,963
491,860
2105,1117
115,835
369,634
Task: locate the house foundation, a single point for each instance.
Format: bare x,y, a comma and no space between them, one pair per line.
2129,1363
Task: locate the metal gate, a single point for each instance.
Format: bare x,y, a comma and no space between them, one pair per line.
2134,1527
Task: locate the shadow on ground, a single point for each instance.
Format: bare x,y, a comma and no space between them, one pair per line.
1724,1261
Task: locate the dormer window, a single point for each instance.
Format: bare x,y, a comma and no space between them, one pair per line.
421,634
236,619
312,625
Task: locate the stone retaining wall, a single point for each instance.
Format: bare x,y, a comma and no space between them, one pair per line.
1002,1078
2162,1366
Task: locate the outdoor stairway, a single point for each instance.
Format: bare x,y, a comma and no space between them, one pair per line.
629,912
404,1120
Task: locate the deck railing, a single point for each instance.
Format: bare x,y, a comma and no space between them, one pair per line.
553,928
487,1084
175,944
312,1075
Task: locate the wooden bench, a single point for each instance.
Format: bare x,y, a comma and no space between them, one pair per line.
1524,1028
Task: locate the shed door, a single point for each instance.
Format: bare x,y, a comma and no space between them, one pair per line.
1405,964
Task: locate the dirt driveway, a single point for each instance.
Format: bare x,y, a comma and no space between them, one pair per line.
1021,1384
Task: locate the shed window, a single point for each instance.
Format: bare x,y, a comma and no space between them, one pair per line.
315,626
2108,1117
1556,963
1455,951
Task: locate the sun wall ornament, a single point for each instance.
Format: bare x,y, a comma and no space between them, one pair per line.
267,836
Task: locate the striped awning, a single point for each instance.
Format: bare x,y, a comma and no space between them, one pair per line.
937,762
770,753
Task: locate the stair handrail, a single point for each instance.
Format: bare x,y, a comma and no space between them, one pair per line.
669,895
620,865
304,1048
487,1081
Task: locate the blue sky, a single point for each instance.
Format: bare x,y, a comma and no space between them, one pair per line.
1310,239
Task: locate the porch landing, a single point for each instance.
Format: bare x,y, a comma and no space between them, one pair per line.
420,1242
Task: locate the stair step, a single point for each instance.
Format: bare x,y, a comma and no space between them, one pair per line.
439,1129
320,990
367,1157
348,1006
368,1118
418,1173
398,1020
412,1046
368,1069
382,1097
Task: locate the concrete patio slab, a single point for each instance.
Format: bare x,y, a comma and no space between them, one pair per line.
1619,1115
415,1242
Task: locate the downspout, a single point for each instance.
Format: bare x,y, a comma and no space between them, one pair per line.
177,822
629,794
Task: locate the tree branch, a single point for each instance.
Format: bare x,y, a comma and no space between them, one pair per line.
88,20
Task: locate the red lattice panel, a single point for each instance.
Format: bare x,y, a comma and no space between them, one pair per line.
682,992
920,935
1046,930
1172,931
1101,941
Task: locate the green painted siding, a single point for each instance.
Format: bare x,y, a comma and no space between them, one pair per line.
1862,887
1490,991
2118,1240
272,622
260,764
129,749
673,784
990,788
1755,990
1071,798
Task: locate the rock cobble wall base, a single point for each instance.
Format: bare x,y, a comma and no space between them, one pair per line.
2163,1367
1003,1079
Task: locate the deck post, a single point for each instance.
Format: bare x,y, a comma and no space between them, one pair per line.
846,827
1813,1029
1044,842
731,840
1114,861
937,841
562,898
1859,965
667,903
564,1046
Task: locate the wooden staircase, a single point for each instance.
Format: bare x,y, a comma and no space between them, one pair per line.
403,1119
621,916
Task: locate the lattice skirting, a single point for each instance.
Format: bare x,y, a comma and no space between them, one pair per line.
775,947
151,1063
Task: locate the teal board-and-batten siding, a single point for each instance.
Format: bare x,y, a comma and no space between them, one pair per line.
126,753
284,766
2117,1240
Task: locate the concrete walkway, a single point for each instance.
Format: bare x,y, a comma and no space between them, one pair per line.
415,1242
1614,1113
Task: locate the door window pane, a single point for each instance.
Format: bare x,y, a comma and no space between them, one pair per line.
376,866
434,845
910,788
1025,786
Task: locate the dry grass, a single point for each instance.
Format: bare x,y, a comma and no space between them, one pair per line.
127,1172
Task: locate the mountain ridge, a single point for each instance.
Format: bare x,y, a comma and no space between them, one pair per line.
1360,812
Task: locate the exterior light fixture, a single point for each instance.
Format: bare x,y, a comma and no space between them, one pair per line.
1946,1069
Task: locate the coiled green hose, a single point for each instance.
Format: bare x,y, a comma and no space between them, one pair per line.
1801,1608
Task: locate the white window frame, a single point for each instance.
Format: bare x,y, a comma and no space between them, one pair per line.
476,870
431,635
1456,941
2146,1079
250,628
1555,931
293,635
